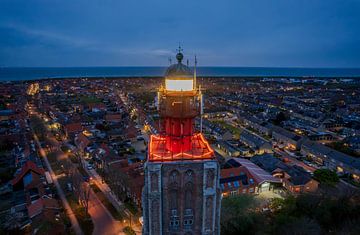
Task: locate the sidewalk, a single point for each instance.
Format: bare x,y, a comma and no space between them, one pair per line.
103,186
96,178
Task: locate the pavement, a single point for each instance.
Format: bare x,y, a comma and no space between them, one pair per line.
103,186
96,178
104,223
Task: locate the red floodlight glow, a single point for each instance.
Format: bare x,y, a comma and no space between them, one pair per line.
200,149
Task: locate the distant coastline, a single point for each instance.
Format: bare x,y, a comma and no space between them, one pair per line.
37,73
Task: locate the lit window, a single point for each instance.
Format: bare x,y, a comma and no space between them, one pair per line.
179,85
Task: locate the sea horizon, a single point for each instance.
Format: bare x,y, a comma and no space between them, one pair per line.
37,73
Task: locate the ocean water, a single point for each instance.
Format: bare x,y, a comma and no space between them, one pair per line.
33,73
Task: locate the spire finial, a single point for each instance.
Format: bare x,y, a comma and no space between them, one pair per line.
179,55
179,50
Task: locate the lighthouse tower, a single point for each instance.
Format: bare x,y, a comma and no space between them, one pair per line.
181,193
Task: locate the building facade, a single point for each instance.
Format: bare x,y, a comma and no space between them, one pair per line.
181,194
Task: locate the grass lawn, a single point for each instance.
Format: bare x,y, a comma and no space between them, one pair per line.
231,128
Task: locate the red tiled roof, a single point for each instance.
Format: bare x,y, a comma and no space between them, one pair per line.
106,148
97,106
73,127
131,131
43,203
230,172
29,165
113,117
82,141
233,172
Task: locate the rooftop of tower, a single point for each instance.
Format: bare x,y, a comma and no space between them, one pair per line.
178,70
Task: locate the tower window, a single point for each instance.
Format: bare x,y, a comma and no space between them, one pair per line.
174,220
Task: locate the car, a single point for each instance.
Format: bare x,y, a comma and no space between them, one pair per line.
69,187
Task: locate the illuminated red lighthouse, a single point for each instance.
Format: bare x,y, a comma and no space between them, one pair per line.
181,194
179,103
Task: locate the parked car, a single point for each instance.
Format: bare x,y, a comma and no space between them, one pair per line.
69,187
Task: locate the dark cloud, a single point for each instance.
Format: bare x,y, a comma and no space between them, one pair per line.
281,33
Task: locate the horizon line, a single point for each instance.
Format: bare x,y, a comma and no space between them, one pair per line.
163,66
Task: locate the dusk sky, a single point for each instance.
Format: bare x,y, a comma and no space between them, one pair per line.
266,33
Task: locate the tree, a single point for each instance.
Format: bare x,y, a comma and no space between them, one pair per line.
118,182
129,231
280,117
85,195
238,215
300,226
326,176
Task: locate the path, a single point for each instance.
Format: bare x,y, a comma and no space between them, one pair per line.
69,211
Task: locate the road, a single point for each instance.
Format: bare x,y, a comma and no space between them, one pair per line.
70,213
103,221
96,179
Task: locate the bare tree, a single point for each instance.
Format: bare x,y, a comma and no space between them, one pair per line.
85,195
119,183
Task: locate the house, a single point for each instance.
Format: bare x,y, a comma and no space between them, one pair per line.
132,188
321,137
287,138
294,178
227,135
81,142
240,176
113,118
255,123
265,180
105,157
229,149
29,177
72,129
46,211
46,206
258,144
332,159
235,181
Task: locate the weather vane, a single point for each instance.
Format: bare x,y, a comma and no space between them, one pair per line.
179,49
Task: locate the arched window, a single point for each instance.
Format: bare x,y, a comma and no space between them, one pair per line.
189,176
188,195
173,202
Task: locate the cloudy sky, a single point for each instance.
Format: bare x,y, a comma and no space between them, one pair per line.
257,33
